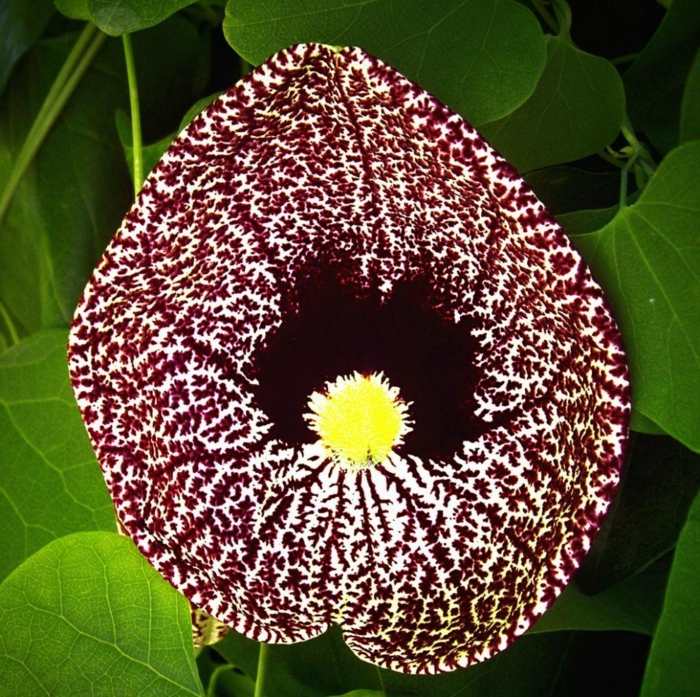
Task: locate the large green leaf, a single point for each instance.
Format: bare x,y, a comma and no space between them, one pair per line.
87,615
576,110
655,81
647,259
21,24
117,17
690,107
50,482
481,57
658,486
673,668
73,196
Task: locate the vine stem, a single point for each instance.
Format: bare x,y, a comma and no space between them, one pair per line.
136,139
260,675
213,680
70,74
546,15
11,329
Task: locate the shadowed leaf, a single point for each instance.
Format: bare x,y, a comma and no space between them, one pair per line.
575,110
672,668
115,17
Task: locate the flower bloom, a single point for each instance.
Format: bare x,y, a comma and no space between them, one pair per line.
339,365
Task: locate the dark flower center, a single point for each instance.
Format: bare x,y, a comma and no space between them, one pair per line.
330,330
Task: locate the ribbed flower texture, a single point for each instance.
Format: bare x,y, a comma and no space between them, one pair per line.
324,235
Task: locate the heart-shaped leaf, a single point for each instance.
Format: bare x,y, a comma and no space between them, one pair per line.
87,615
481,57
50,482
576,110
115,17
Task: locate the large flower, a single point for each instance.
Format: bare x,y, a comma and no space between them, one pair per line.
339,365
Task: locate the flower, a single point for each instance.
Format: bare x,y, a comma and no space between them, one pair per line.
324,242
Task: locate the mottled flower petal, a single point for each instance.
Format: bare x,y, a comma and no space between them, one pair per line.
211,319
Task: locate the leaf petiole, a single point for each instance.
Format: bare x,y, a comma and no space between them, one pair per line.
74,67
11,329
260,674
136,139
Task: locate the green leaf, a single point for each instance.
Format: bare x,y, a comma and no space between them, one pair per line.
580,223
633,606
647,259
655,81
74,9
658,486
199,106
690,107
87,615
576,110
50,482
22,24
564,188
643,424
115,17
481,57
587,220
672,667
74,195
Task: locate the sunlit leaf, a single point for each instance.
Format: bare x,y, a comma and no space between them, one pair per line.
50,482
87,615
481,57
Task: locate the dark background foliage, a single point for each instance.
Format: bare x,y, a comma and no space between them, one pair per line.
597,103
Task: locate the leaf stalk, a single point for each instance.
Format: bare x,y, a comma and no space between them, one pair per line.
136,138
70,74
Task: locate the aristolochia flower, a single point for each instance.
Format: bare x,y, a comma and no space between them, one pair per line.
339,365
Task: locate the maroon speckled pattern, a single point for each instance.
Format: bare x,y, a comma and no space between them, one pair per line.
328,158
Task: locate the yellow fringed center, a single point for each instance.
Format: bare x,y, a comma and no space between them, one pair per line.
359,418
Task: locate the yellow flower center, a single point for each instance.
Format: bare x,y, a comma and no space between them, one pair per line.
359,418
